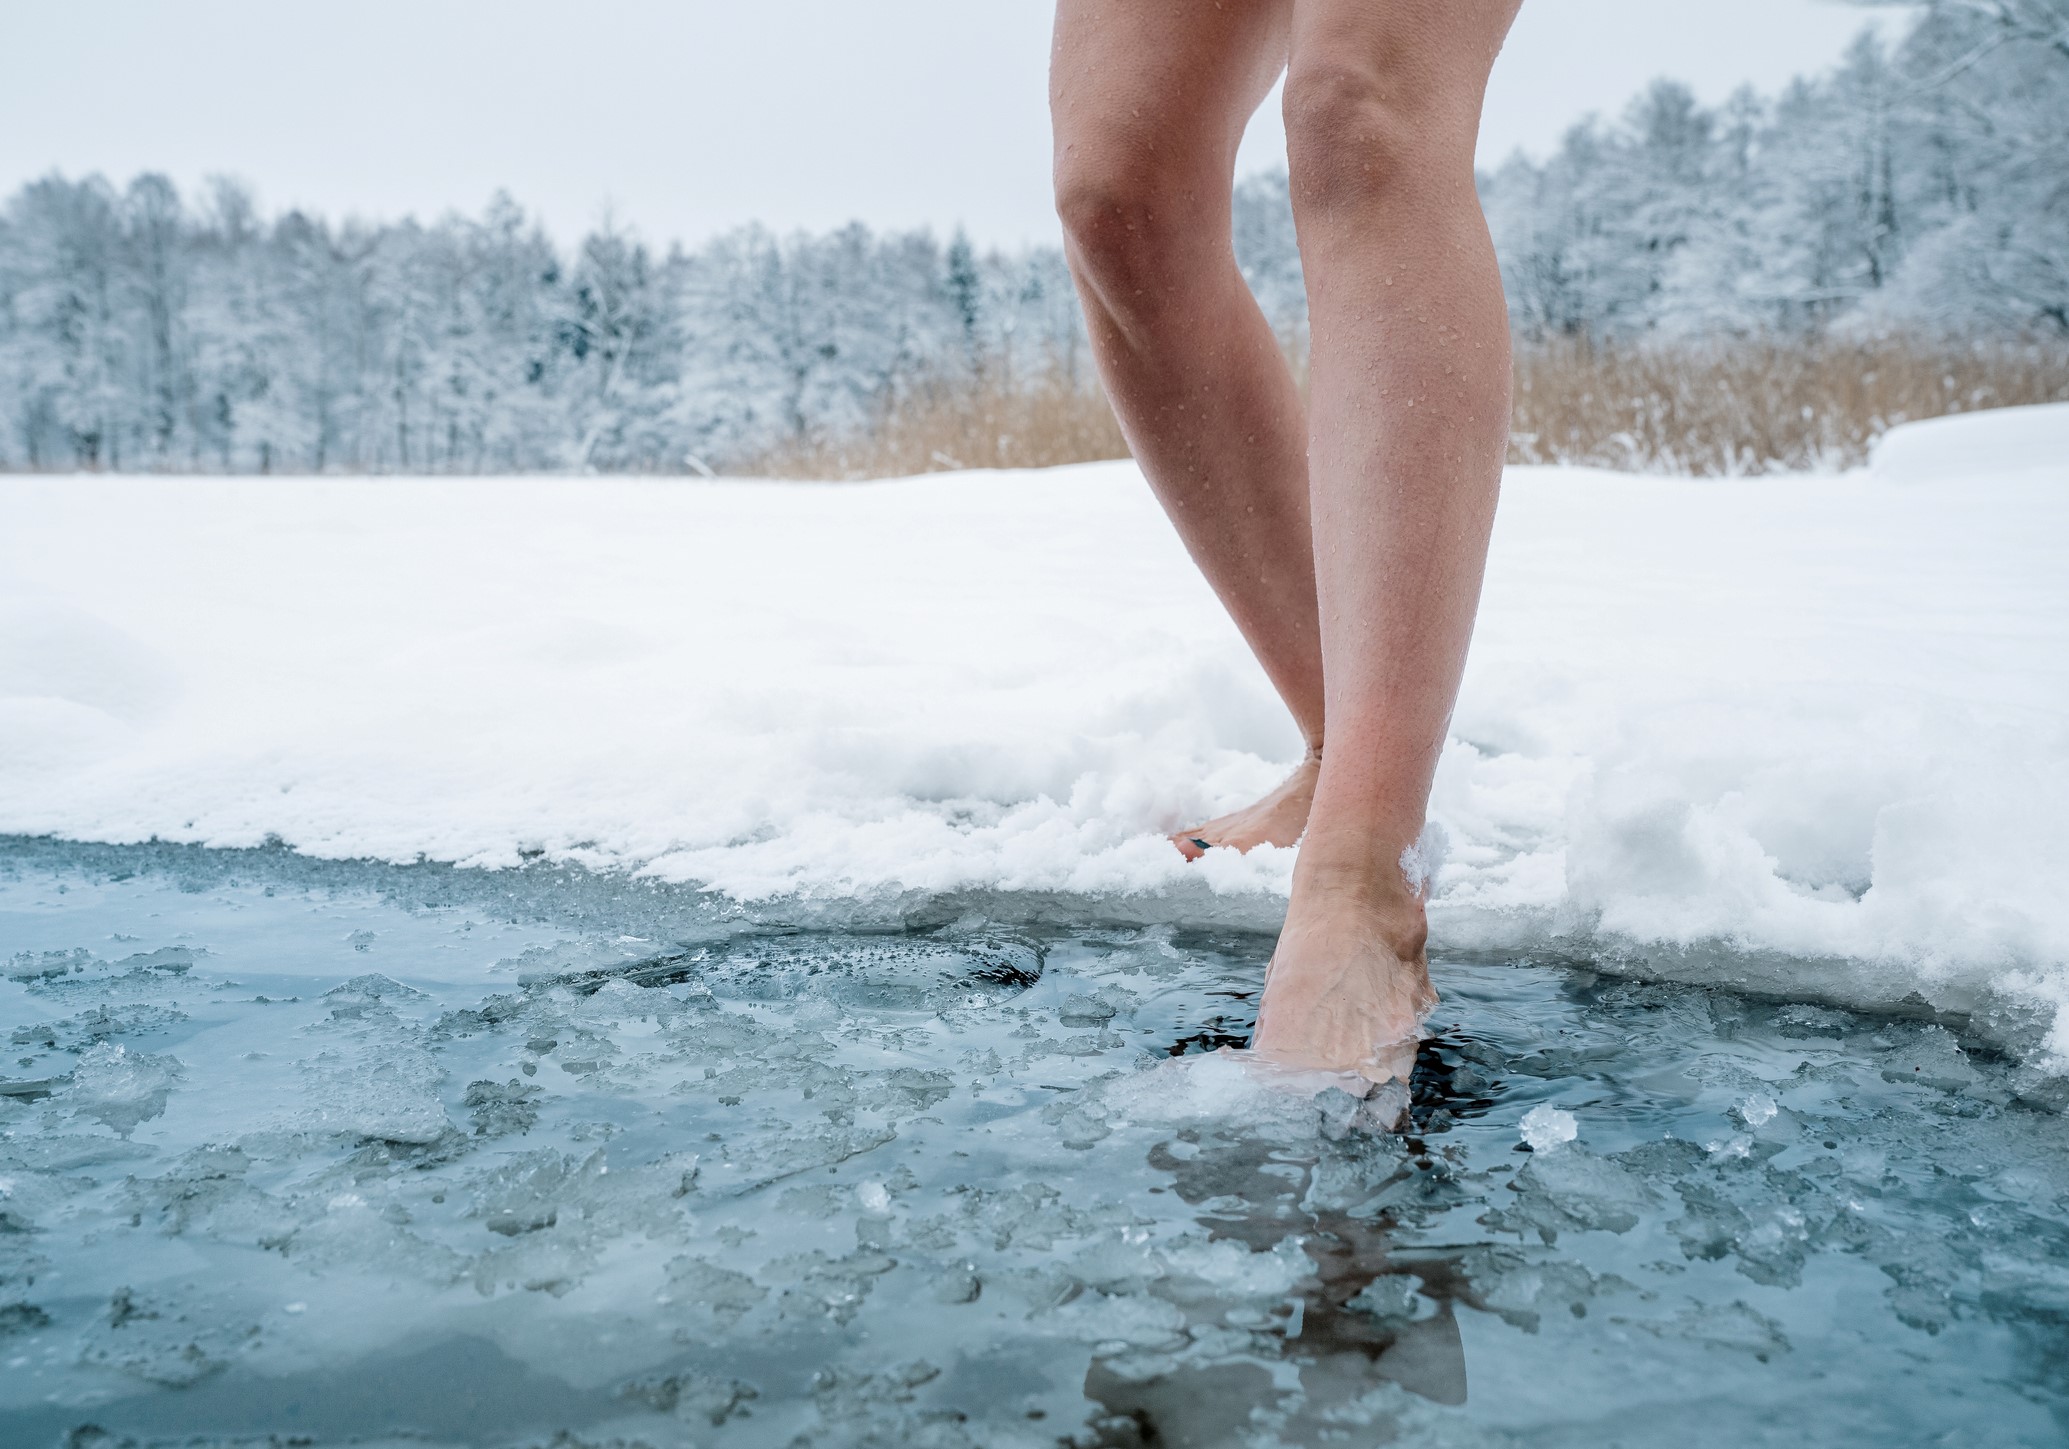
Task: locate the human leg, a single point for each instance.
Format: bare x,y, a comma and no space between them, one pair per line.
1150,99
1408,419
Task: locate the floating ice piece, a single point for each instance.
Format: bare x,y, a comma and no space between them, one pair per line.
1085,1011
1546,1127
1570,1188
362,991
1393,1298
1931,1058
385,1094
1230,1085
692,1395
711,1299
959,1284
1234,1270
27,966
1756,1110
122,1088
164,1341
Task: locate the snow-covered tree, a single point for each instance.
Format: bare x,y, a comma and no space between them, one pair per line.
1920,187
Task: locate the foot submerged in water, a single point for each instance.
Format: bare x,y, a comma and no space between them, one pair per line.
1277,819
1348,988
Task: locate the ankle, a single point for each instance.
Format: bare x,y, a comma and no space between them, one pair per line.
1357,857
1370,885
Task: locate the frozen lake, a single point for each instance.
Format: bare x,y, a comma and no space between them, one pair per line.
416,1154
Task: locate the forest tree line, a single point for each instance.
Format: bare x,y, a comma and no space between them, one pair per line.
1920,188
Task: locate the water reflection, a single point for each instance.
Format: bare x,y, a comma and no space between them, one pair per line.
1367,1313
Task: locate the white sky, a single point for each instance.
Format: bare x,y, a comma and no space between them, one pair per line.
691,116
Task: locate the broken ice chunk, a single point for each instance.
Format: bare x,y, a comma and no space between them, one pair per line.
1393,1298
163,1342
1085,1011
356,996
1571,1188
30,966
958,1284
122,1088
1756,1110
716,1298
1729,1149
386,1091
1731,1326
498,1110
1546,1127
693,1395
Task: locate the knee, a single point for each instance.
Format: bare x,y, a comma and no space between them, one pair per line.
1128,222
1356,135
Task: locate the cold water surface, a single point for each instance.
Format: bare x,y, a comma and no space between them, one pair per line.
364,1155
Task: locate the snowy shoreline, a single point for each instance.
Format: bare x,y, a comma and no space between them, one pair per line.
1731,730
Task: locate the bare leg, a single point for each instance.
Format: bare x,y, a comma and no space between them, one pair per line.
1150,98
1409,402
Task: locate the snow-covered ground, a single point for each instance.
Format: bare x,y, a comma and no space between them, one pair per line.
1808,733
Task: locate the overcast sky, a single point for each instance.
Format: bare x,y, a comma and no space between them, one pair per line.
687,117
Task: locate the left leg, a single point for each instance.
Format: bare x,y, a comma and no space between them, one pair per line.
1150,98
1408,425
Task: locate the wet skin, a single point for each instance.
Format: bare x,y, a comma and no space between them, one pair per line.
1346,538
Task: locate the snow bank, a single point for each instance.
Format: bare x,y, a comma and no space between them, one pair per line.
1804,733
1976,446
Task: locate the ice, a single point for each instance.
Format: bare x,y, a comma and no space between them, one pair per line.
163,1344
1546,1127
711,1296
1733,1327
1808,735
1757,1110
1573,1189
567,1163
694,1397
372,1077
122,1088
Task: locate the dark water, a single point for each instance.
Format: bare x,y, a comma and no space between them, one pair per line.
351,1154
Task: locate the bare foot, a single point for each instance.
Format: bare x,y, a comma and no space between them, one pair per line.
1349,985
1277,819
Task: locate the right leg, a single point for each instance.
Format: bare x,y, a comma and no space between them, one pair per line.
1150,98
1411,415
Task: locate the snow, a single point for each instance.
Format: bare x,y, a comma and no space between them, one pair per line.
1976,446
1806,734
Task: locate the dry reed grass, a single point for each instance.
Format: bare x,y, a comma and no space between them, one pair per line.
985,425
1708,409
1757,407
